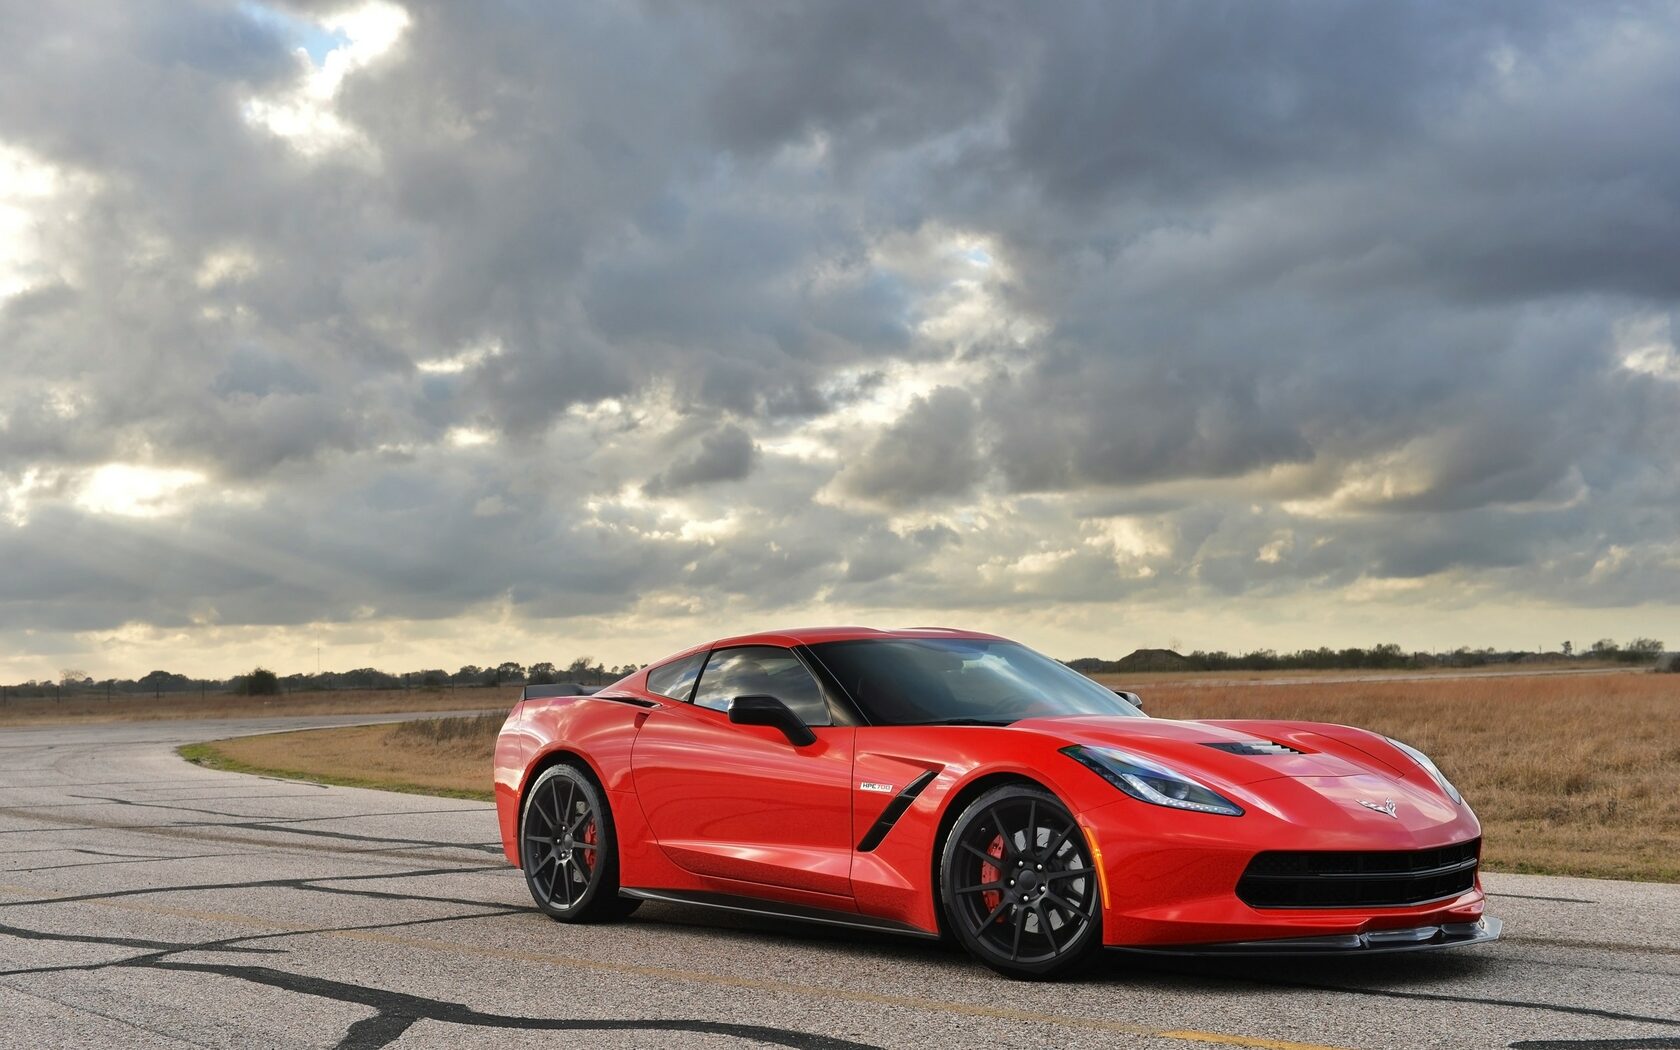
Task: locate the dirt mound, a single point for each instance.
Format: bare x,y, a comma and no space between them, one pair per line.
1153,660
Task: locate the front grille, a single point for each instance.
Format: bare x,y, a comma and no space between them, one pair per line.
1257,747
1387,879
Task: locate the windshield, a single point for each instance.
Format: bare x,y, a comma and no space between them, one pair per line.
921,681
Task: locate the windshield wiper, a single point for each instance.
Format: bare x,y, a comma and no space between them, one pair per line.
963,722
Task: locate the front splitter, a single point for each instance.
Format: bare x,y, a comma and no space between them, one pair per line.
1376,942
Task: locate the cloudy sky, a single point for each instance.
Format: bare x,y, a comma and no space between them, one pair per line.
439,333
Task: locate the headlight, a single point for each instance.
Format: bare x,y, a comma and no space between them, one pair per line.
1151,782
1423,760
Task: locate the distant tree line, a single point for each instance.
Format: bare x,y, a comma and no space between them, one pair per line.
586,671
262,682
1385,656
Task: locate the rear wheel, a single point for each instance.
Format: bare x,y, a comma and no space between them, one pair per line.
1019,885
568,848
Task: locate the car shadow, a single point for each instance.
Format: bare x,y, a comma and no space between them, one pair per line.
1346,972
1166,973
768,932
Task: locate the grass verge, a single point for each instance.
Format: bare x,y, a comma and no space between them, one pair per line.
449,757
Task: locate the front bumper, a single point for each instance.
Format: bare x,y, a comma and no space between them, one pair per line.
1375,942
1170,880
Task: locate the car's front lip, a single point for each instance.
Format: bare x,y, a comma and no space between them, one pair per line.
1373,942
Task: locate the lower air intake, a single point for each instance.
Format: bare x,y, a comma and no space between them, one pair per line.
1355,879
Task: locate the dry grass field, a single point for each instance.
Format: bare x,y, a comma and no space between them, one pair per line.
1571,774
228,705
1135,679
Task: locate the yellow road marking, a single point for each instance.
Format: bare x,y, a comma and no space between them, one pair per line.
914,1002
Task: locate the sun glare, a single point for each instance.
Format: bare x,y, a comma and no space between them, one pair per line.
28,186
305,113
135,491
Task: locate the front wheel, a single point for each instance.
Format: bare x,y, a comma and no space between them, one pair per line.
568,848
1019,885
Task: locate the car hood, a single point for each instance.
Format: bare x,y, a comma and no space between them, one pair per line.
1336,780
1323,750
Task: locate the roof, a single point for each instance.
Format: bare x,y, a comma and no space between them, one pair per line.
813,635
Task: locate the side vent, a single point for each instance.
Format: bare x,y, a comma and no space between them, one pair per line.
1256,747
894,810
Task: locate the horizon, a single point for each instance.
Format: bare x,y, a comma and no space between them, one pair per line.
1581,650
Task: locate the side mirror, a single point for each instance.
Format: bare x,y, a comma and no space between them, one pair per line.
769,711
1130,698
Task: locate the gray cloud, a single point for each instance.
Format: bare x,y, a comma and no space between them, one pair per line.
725,454
584,311
928,454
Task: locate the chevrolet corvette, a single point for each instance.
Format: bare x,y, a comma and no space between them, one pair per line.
945,783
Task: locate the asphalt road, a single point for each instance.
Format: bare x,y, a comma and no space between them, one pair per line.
148,902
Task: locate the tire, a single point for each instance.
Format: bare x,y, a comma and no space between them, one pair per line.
571,864
1018,885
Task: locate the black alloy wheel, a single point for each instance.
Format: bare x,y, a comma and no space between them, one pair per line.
568,849
1019,885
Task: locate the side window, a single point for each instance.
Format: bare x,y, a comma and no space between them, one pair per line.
676,679
762,670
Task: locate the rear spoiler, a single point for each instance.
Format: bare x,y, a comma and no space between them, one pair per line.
538,692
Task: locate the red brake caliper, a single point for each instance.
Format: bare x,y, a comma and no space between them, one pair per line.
589,837
989,873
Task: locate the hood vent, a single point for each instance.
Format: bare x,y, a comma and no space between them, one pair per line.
1257,747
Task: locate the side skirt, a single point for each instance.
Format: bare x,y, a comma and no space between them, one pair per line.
778,910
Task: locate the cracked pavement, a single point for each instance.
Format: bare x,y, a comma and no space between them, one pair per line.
148,902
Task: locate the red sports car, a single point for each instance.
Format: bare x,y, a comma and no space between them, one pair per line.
936,781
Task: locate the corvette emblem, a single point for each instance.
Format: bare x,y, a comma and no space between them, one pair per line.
1387,806
870,785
